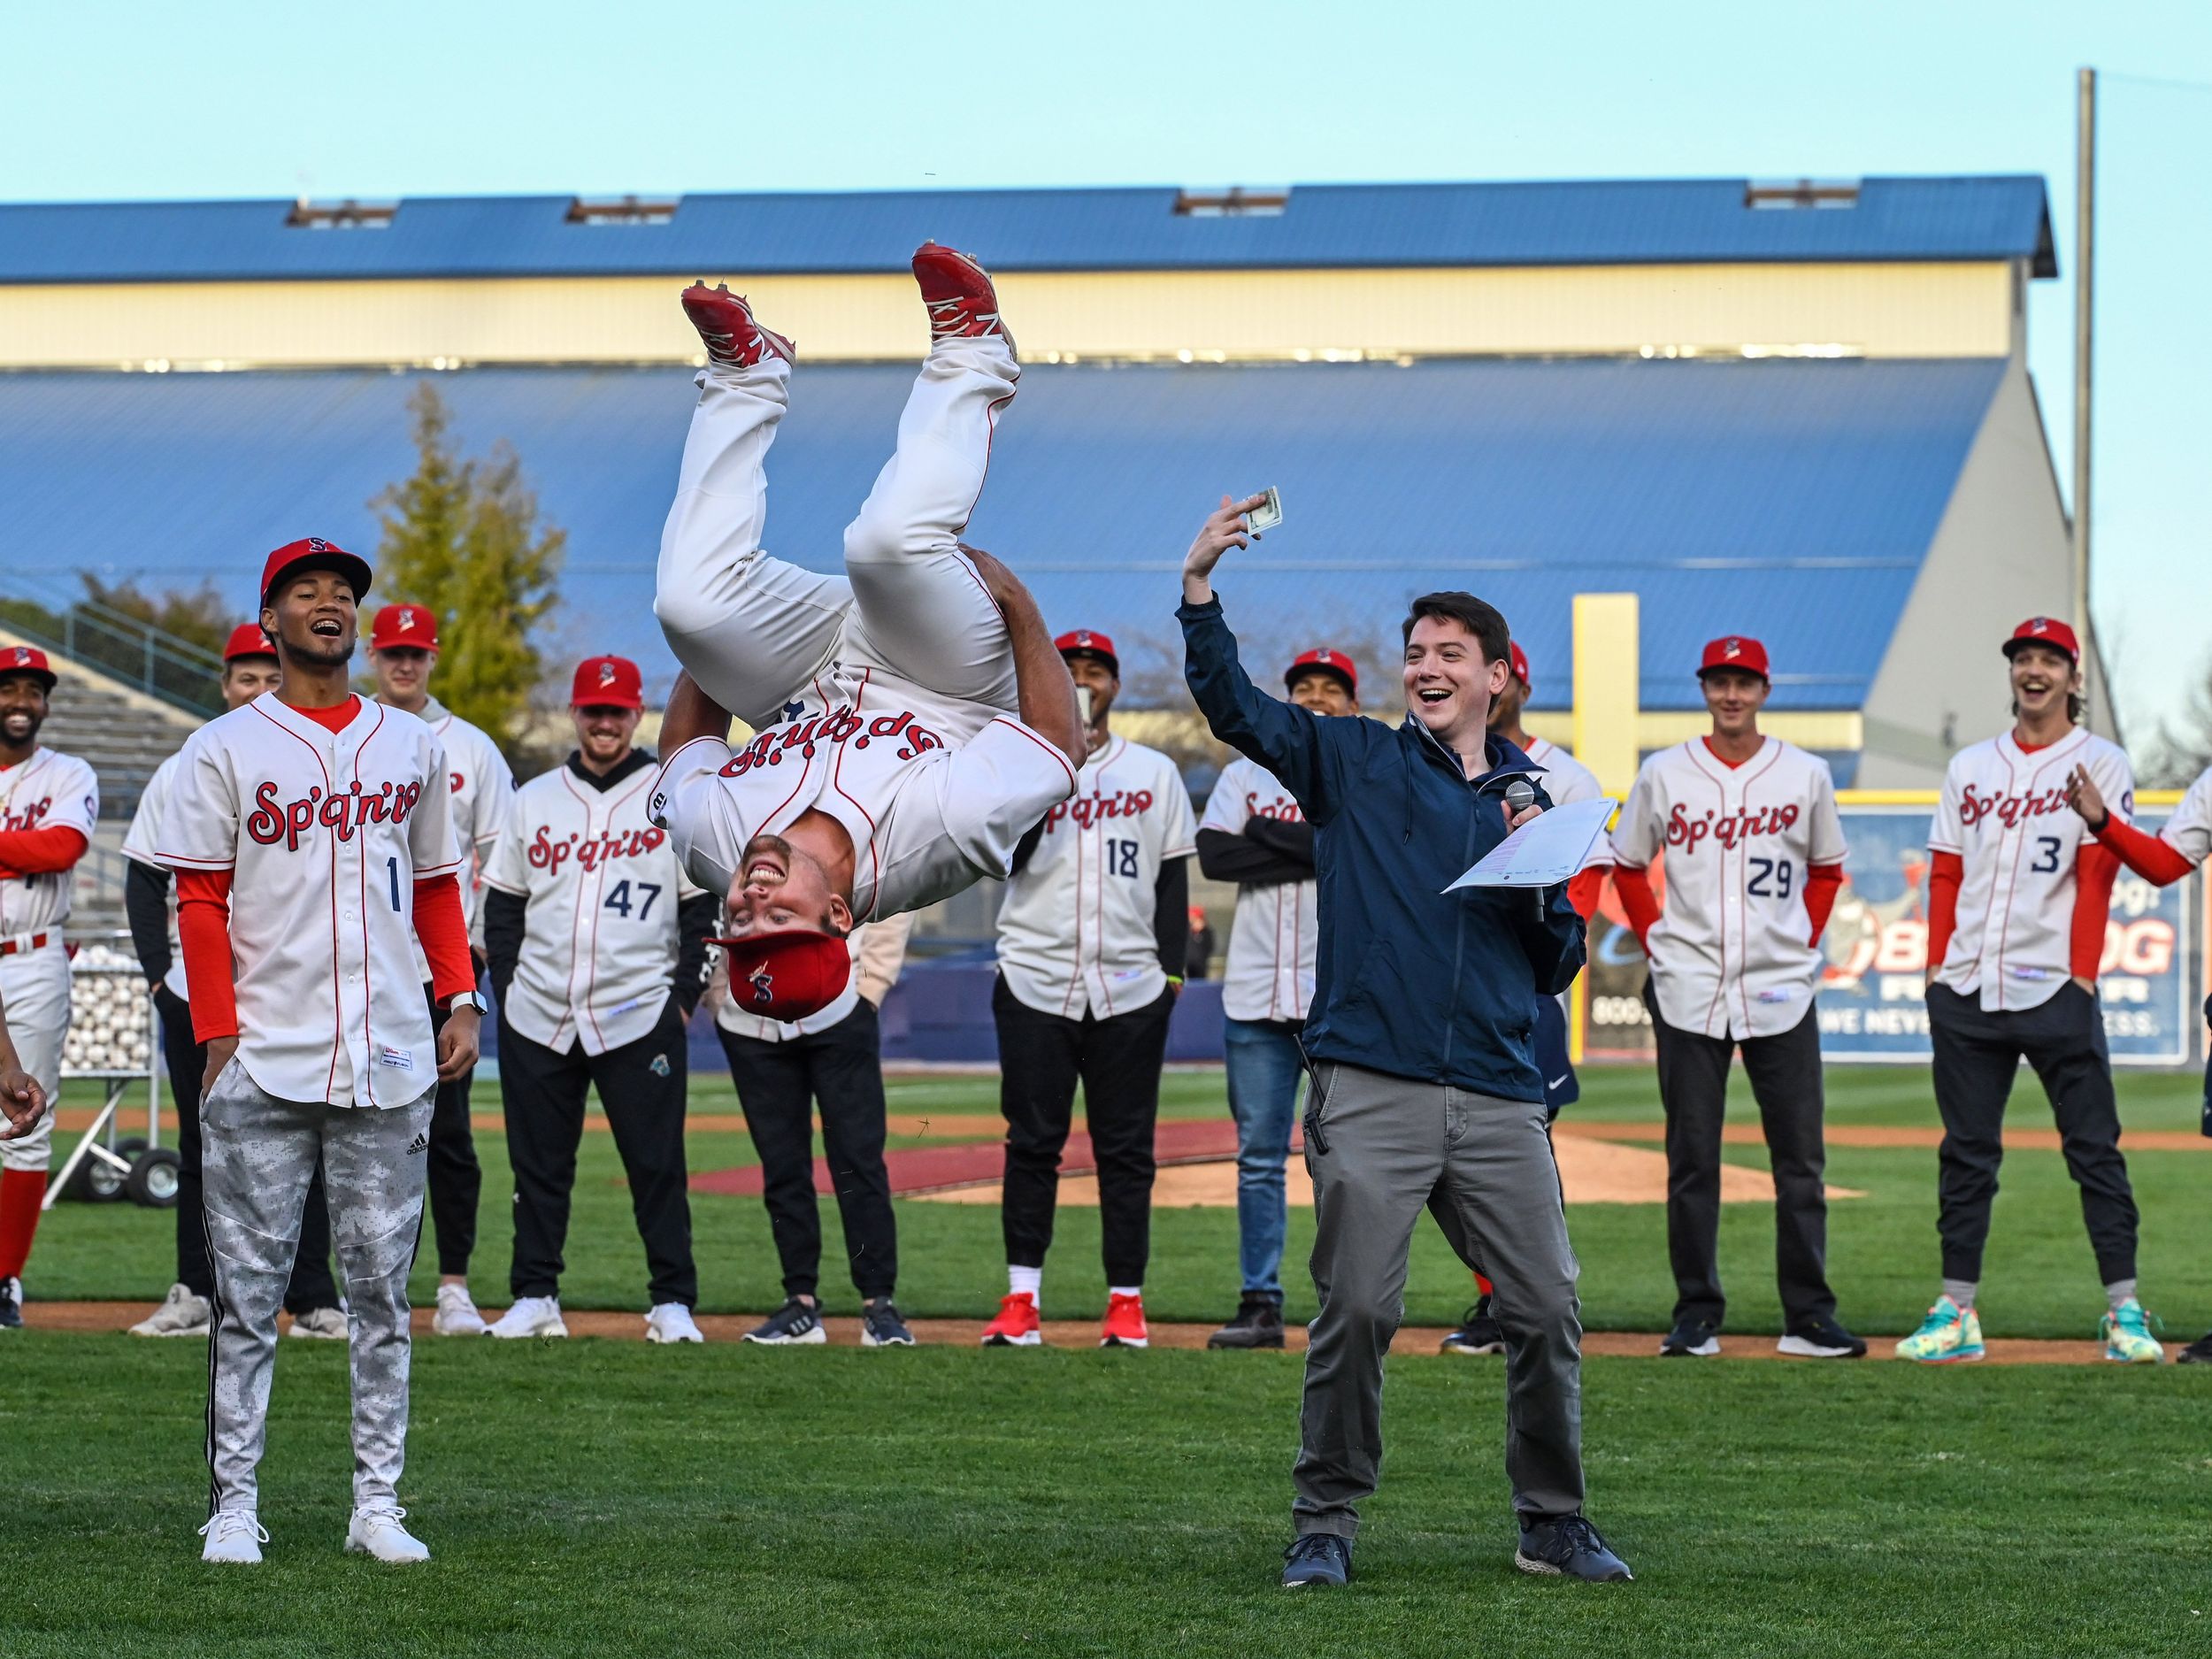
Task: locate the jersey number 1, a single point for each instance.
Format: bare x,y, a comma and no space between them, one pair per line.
391,869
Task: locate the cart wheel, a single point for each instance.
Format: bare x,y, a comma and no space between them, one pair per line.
103,1185
152,1182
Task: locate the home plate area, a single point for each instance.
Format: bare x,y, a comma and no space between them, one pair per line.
1197,1160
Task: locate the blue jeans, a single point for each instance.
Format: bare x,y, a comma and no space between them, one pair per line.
1265,1069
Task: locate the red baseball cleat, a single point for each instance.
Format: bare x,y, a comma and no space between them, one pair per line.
1017,1325
1125,1323
725,325
957,292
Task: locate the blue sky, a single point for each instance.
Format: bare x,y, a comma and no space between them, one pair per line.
133,100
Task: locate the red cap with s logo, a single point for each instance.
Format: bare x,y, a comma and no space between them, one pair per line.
607,682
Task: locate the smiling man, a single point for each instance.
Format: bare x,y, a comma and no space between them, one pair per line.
1426,1093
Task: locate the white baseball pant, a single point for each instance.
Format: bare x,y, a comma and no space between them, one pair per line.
34,990
755,630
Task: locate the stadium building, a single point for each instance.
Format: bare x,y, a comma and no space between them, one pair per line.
1800,412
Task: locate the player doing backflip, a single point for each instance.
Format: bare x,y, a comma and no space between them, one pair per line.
913,718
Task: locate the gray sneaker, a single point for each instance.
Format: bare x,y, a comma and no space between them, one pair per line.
328,1324
183,1313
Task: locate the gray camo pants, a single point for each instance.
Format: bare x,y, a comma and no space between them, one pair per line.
259,1154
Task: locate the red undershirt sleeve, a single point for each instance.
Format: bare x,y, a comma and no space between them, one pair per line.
1635,887
444,934
1585,889
2094,869
204,935
1945,871
2157,860
40,852
1823,882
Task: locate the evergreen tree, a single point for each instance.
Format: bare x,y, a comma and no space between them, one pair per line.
461,538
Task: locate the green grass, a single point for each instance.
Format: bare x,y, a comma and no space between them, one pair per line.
581,1500
2040,1281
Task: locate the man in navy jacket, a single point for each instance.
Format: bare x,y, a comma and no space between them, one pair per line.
1426,1089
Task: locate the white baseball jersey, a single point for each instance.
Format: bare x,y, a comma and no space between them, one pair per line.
935,793
1565,779
48,791
1731,955
2004,812
2189,830
1075,931
1269,972
326,834
879,950
142,843
483,792
602,887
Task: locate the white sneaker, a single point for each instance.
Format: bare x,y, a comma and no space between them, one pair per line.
182,1313
233,1535
531,1315
671,1322
327,1324
457,1314
376,1531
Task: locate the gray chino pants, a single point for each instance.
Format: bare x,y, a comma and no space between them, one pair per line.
257,1156
1484,1167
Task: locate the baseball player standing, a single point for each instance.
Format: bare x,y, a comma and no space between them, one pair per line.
1254,835
403,652
598,948
830,1061
47,804
331,821
1092,939
250,669
1753,858
2018,895
890,769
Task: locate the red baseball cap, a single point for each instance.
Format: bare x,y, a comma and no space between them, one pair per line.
312,553
1091,641
1328,662
27,659
405,628
1734,650
787,976
1520,665
247,639
2045,631
607,682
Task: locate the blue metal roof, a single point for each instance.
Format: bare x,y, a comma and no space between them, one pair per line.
1789,500
1697,220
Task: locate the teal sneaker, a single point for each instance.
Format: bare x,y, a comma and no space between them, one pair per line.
1949,1334
2127,1335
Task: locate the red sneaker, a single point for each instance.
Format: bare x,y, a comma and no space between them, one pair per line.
1017,1325
725,325
957,292
1125,1323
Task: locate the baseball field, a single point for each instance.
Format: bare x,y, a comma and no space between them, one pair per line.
598,1494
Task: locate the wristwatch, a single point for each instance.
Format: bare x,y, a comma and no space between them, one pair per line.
468,999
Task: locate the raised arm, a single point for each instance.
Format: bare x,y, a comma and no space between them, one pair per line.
690,715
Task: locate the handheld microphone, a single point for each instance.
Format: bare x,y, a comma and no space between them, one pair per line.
1520,796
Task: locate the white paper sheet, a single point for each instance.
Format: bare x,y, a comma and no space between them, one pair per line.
1549,848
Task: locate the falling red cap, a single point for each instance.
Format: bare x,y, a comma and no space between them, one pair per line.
1329,662
1735,650
1091,641
405,628
2045,631
787,976
312,553
607,682
27,659
247,639
1520,665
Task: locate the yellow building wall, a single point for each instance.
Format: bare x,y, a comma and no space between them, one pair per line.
1894,310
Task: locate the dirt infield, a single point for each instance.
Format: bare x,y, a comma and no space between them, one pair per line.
1419,1341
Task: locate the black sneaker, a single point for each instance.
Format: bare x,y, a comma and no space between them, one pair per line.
2198,1353
1259,1324
880,1325
1569,1547
1821,1339
1694,1338
1478,1333
793,1323
11,1304
1316,1558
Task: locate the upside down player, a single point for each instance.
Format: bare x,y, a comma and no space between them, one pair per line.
332,818
890,769
2019,892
